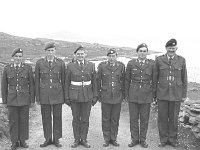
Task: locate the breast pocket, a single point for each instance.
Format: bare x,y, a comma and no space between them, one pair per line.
24,78
44,74
56,75
105,77
135,71
163,70
178,70
11,78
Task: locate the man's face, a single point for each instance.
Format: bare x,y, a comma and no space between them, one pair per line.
80,55
171,50
142,53
50,52
18,58
112,58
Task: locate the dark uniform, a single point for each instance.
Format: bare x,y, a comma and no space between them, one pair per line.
140,91
49,83
80,91
17,88
171,79
111,86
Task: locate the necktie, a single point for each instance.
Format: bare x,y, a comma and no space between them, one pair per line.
170,60
50,63
141,63
81,64
17,68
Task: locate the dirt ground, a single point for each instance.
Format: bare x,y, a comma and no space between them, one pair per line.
95,137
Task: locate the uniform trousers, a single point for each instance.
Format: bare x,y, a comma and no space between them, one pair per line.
139,120
18,123
47,112
168,112
110,120
80,122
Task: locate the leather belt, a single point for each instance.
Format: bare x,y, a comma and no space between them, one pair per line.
18,87
83,83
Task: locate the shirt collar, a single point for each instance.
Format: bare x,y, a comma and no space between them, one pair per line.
17,65
170,57
80,62
143,61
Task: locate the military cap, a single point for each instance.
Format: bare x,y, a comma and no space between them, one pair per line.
17,50
171,42
79,48
111,51
141,45
49,45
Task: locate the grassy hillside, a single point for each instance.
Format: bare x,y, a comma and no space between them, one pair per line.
33,48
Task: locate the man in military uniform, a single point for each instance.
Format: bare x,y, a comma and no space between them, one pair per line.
49,83
111,85
171,79
80,93
17,88
140,92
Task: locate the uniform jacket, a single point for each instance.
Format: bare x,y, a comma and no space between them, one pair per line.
76,73
171,78
17,87
140,87
49,81
111,82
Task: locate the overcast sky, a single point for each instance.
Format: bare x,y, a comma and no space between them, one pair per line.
112,22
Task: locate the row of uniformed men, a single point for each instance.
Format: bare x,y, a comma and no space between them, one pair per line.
79,86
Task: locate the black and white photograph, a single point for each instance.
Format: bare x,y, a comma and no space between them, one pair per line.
99,74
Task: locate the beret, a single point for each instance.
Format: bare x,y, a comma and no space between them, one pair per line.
111,51
141,45
17,50
171,42
49,45
79,48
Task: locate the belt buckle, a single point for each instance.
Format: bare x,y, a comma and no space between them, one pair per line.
83,83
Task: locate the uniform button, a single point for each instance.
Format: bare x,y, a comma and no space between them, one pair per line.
17,79
50,69
170,66
17,84
169,83
82,76
17,74
50,74
50,87
112,72
82,70
141,76
170,72
17,90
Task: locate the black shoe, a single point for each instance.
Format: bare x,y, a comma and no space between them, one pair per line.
57,143
46,143
13,146
23,144
133,143
106,144
75,144
17,144
174,144
85,144
144,144
162,144
114,142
